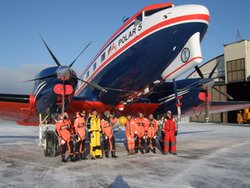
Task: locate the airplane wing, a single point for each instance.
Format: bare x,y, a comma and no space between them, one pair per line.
19,108
217,107
189,90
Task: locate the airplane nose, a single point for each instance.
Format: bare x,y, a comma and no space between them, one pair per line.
197,10
64,73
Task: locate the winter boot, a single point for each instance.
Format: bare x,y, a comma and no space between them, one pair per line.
142,151
77,157
133,151
113,154
147,150
82,156
154,150
72,158
136,150
63,159
106,154
130,152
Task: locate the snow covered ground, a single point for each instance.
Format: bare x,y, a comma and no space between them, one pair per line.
209,155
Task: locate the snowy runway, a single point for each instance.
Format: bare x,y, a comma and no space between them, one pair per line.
209,155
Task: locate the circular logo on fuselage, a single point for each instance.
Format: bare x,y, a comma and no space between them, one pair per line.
185,55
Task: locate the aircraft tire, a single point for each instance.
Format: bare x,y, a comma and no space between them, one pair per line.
50,147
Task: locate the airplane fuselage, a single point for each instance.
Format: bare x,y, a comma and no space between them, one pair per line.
131,60
139,52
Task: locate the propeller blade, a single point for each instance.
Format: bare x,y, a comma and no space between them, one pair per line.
94,85
199,71
212,72
80,54
41,78
225,94
52,55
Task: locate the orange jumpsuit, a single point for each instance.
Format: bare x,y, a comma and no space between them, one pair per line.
80,130
151,132
108,135
130,133
170,138
140,131
62,128
71,126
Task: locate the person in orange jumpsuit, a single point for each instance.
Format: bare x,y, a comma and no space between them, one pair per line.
130,134
80,130
151,133
140,132
63,131
108,136
71,126
169,130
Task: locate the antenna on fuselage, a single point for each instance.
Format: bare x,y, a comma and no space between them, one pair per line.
124,19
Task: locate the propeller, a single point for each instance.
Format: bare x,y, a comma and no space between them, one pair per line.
65,73
208,84
71,64
51,53
93,84
41,78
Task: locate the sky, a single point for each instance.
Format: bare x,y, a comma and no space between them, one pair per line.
68,26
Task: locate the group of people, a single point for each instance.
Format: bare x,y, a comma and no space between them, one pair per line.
141,134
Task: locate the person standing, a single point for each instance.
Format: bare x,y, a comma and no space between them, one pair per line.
80,130
130,134
140,133
151,133
63,131
169,130
108,135
95,135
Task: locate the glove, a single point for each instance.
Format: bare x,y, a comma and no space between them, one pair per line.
62,141
176,132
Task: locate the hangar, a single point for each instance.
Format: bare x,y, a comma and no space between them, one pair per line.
232,76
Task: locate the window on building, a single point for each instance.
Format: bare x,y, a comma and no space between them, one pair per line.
103,57
236,70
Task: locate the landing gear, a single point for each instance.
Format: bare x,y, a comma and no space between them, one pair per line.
50,146
47,137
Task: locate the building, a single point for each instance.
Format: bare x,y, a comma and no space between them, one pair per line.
232,76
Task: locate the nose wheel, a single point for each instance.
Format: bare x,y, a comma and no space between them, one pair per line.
47,138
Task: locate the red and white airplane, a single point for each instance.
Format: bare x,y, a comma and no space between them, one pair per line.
135,71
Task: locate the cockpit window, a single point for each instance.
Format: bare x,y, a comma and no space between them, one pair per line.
138,19
150,12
